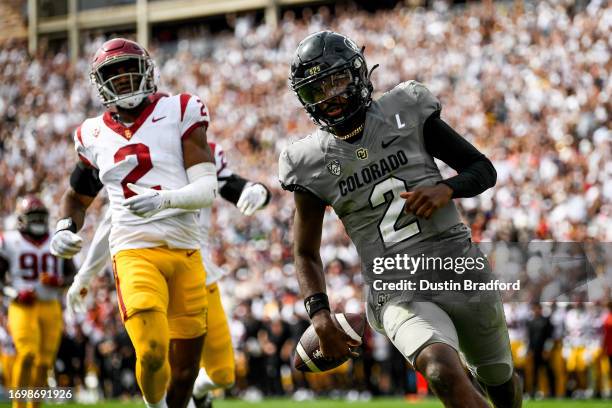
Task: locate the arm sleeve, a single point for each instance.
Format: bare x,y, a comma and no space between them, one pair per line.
99,252
476,172
232,187
85,180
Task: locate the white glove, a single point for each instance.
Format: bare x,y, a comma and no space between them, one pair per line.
199,193
77,294
146,202
252,198
65,244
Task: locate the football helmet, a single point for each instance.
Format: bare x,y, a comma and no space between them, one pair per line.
122,72
330,77
32,216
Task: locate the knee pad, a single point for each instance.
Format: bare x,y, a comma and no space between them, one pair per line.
153,356
494,374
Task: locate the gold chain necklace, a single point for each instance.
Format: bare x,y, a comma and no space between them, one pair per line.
353,133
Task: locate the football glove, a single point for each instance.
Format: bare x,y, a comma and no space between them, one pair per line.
26,296
146,202
253,197
65,244
76,296
49,279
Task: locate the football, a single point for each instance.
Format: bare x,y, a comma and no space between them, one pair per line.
308,357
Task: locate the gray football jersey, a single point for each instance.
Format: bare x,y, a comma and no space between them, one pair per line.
362,181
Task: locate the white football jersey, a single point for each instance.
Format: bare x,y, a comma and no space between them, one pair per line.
29,259
98,252
148,153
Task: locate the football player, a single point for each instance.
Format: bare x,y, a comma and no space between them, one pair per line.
7,353
217,361
372,161
34,286
153,159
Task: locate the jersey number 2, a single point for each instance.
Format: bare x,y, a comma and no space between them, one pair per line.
388,191
143,157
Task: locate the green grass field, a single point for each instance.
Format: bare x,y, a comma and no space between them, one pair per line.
378,403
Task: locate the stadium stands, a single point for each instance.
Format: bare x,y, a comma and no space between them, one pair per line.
530,86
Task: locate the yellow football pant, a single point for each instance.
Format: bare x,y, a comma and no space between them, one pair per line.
161,294
36,330
218,353
8,362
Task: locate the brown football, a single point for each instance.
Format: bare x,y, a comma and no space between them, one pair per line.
307,355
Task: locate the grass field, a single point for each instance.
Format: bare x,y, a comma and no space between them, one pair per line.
378,403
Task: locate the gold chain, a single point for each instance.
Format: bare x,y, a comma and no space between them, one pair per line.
353,133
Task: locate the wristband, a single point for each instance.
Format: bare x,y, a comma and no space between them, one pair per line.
315,303
66,224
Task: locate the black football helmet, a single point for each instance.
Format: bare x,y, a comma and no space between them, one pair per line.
32,216
331,79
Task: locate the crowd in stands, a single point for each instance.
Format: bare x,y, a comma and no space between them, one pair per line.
528,83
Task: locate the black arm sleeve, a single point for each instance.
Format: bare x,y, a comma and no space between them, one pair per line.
4,267
476,172
233,187
85,180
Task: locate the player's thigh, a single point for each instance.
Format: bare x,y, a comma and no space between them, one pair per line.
141,284
411,326
187,308
483,339
51,324
24,328
218,353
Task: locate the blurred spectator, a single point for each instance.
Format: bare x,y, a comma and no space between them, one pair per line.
540,335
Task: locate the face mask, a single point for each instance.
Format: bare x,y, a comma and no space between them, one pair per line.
36,228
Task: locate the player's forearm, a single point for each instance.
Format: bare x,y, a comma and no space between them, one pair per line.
311,279
473,180
231,187
199,193
309,271
475,172
74,206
